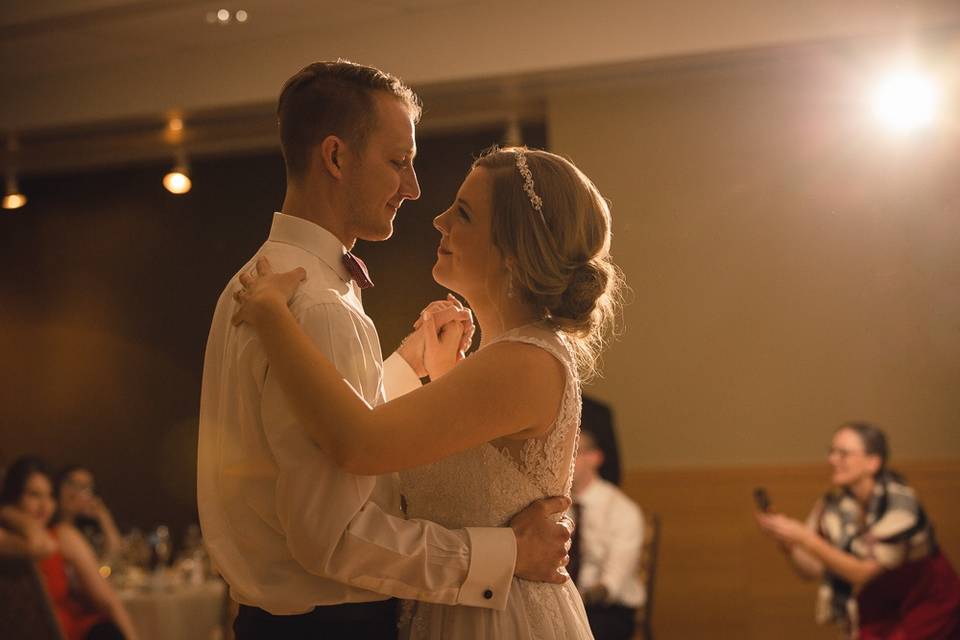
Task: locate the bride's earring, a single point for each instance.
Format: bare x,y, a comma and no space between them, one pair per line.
510,291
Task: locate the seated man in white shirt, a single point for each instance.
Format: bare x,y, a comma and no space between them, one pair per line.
308,549
606,546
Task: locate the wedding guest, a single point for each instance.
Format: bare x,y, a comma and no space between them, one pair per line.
871,543
86,607
605,556
84,509
21,535
600,418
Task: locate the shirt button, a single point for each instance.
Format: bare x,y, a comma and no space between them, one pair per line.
487,594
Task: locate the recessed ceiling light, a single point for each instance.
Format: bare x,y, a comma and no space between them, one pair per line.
241,15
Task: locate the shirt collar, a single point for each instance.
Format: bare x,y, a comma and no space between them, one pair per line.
313,239
592,493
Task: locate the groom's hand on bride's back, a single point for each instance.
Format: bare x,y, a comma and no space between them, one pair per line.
543,540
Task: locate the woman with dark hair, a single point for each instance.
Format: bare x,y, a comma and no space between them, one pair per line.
871,543
91,610
20,534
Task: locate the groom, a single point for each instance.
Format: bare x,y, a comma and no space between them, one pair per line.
307,549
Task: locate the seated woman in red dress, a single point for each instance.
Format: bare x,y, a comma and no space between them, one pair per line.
871,543
89,611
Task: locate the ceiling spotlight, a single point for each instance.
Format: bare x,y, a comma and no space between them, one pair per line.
905,100
177,181
175,124
224,17
12,198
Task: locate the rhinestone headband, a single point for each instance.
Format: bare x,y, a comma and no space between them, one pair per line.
535,201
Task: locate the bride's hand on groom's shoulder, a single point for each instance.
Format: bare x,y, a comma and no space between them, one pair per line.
261,289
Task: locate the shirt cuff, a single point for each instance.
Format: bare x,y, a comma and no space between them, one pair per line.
398,377
493,556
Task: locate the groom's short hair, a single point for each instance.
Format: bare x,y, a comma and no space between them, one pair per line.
333,98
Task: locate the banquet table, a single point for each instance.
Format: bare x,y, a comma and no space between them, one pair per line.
177,612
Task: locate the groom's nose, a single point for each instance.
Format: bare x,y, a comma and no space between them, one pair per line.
409,186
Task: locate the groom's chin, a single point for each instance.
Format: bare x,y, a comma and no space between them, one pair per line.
378,235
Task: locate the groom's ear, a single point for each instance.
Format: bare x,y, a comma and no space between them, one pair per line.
329,154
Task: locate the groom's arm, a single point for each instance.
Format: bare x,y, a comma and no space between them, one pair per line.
398,376
334,530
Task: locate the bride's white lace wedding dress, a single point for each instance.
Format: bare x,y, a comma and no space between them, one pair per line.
486,486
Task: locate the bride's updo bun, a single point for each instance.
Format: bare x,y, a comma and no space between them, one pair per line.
559,256
577,310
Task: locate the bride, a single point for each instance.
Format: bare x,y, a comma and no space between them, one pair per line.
526,243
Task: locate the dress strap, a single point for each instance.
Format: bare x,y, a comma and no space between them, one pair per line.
543,337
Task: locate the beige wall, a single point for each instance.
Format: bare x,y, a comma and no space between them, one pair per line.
792,265
719,578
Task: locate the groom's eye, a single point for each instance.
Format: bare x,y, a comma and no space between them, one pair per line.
463,213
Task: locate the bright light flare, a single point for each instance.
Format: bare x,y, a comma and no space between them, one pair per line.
906,100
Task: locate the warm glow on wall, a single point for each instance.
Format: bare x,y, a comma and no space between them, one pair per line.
905,100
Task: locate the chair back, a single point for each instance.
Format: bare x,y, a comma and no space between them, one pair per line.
648,575
25,608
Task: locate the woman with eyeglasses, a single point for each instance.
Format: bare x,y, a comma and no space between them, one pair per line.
871,544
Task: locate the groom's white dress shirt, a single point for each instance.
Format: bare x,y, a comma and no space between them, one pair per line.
287,528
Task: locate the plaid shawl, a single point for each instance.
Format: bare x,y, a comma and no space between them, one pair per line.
893,530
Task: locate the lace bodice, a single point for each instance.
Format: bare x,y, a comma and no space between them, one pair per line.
487,485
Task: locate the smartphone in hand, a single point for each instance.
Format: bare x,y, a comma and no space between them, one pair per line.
762,499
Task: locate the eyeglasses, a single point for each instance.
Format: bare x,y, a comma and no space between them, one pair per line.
79,486
843,453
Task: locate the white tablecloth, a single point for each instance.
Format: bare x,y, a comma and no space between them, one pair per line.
184,612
